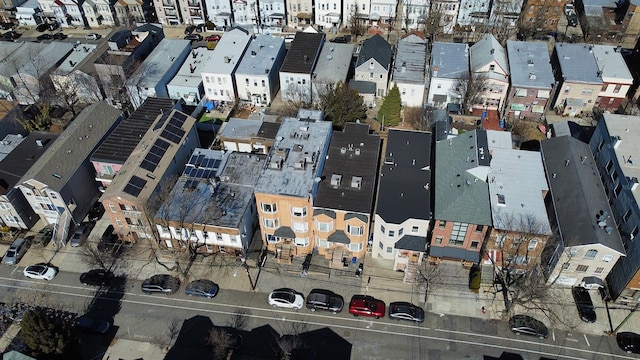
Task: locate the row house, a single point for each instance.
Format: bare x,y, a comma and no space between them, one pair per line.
248,135
298,66
588,242
299,13
532,80
192,11
541,15
60,187
116,148
415,14
220,65
29,13
7,10
153,75
12,56
219,12
374,63
520,231
474,13
616,21
333,67
488,60
245,14
15,211
47,9
134,195
383,13
72,75
616,77
99,12
614,149
343,206
69,13
211,208
168,12
578,77
256,77
409,69
505,14
328,15
287,185
187,84
273,15
449,62
403,210
128,12
449,10
462,207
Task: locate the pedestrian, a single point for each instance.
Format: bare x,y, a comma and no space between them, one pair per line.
484,311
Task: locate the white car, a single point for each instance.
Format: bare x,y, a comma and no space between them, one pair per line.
40,271
286,298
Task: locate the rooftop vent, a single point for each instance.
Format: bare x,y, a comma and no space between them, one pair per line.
336,179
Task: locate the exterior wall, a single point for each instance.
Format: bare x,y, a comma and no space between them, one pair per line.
192,11
521,102
273,14
218,86
303,243
88,90
573,266
219,12
417,10
450,14
105,172
245,13
383,243
531,14
295,9
372,71
503,248
495,96
15,211
292,84
568,90
358,243
441,86
410,94
612,95
350,7
327,15
632,32
28,16
105,10
473,240
167,12
631,293
90,14
183,92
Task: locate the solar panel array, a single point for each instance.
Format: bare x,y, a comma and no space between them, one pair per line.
162,120
135,186
154,156
173,130
202,167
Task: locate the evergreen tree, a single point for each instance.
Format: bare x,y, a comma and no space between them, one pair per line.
389,112
44,333
341,104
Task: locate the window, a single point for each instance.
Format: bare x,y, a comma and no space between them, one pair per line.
300,227
500,240
591,254
474,244
501,200
302,241
609,166
389,249
582,268
627,215
618,189
599,270
458,233
392,233
414,229
324,227
354,247
479,228
269,208
383,230
400,231
442,224
119,222
438,240
607,258
587,91
617,88
299,212
567,89
112,208
355,230
380,245
272,239
323,243
566,266
271,223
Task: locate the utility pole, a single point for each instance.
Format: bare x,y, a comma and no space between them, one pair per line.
636,308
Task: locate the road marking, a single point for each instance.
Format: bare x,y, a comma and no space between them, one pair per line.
587,340
553,334
572,339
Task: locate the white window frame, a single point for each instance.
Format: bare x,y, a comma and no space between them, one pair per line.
355,247
298,211
533,244
304,241
271,223
274,208
300,227
324,226
323,243
359,232
415,229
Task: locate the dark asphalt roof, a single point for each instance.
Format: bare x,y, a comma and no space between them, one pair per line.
343,159
454,253
405,174
268,130
303,53
363,87
20,160
378,48
574,183
410,242
117,147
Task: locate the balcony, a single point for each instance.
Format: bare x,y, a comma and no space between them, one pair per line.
193,4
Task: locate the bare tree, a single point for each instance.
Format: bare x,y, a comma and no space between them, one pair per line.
419,118
434,22
239,319
469,89
503,15
356,24
222,341
534,22
430,276
291,340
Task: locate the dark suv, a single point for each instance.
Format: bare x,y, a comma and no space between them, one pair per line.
324,300
161,284
584,304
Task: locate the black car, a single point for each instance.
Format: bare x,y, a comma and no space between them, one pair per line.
42,27
96,212
203,287
527,325
43,237
59,36
584,304
10,35
44,37
189,29
97,277
406,311
90,324
193,37
572,20
629,342
161,284
53,26
320,299
339,39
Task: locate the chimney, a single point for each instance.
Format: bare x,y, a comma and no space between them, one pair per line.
192,68
306,58
227,59
618,141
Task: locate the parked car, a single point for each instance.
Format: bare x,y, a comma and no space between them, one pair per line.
44,37
584,304
324,300
406,311
6,26
92,36
81,234
42,27
59,36
97,277
629,342
286,298
366,306
339,39
202,287
161,283
15,252
572,20
10,35
527,325
569,9
43,237
40,271
90,324
193,37
96,212
189,29
213,37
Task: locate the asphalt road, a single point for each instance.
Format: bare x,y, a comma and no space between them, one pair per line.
153,318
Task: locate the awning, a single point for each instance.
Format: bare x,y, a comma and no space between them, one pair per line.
339,237
412,243
543,94
285,232
276,15
517,107
303,16
591,282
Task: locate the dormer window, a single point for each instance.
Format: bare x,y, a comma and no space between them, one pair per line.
371,66
356,182
336,179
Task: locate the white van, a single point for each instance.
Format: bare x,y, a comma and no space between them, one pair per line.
92,36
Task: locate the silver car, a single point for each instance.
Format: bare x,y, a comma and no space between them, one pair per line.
16,252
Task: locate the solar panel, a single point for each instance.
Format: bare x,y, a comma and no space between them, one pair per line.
148,165
192,159
178,119
187,171
135,185
216,163
161,121
174,138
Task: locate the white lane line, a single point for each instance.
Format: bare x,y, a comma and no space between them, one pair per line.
587,340
553,334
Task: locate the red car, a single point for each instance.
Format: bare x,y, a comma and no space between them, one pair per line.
213,38
366,306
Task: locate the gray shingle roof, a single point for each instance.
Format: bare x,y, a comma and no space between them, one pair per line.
577,63
487,50
529,64
24,156
377,48
577,194
411,62
450,59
